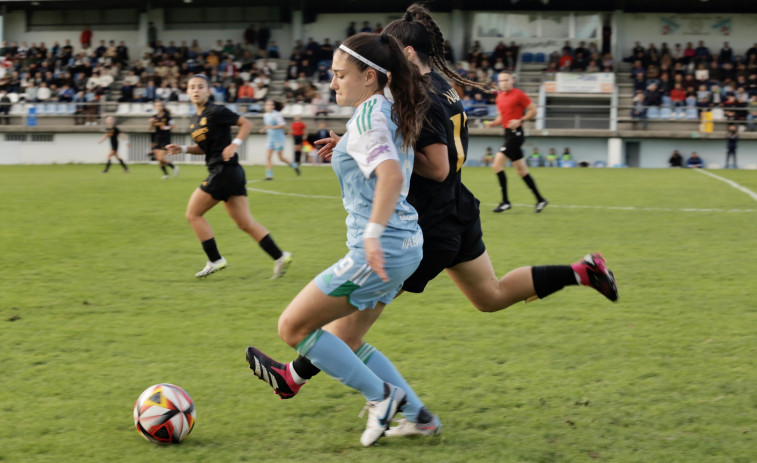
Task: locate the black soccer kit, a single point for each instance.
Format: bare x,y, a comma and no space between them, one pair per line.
447,211
211,130
113,133
162,137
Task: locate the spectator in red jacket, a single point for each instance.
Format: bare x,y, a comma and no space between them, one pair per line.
86,37
678,95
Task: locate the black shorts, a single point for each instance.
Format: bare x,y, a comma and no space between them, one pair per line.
225,182
114,145
512,146
445,251
297,139
161,141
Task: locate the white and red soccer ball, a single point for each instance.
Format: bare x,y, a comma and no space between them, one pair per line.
164,414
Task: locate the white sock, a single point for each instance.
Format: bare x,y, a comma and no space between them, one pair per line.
294,374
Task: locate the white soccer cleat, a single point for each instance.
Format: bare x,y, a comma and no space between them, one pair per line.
211,268
407,428
380,414
175,170
165,177
281,265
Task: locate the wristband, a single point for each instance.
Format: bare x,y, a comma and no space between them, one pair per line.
237,141
373,230
183,149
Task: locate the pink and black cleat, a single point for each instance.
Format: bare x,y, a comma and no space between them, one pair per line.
593,272
272,372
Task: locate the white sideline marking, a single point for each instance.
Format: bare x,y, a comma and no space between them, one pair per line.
299,195
730,182
551,205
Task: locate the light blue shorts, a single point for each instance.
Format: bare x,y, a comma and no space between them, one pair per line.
275,144
354,278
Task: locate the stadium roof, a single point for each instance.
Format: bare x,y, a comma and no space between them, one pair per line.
346,6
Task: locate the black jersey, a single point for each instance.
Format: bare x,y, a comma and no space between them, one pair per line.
162,128
113,133
448,206
212,131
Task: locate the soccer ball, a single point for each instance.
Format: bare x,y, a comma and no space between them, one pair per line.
164,414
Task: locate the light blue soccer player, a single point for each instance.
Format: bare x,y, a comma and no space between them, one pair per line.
273,126
373,162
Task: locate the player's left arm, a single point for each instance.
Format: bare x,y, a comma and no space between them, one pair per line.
245,126
432,162
388,187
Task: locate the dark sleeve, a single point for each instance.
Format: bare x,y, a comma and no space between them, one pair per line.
225,116
433,130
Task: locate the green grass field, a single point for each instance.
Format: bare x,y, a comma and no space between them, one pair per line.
98,301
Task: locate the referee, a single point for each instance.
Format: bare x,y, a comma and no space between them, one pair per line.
514,108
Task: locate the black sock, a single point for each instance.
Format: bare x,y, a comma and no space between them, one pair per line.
170,165
503,185
163,168
107,166
530,182
270,247
210,248
297,157
549,279
304,368
123,164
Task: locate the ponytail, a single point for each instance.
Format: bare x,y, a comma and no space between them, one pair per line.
419,30
409,88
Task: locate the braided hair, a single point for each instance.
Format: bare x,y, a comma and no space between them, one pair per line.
419,30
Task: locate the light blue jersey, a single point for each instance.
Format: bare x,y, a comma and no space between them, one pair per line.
275,137
372,138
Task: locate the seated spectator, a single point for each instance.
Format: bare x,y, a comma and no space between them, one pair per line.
66,93
702,53
551,159
488,157
608,64
320,106
731,108
43,93
246,93
566,61
695,162
164,92
639,110
638,68
678,96
476,106
652,97
676,160
261,92
5,106
751,114
232,93
535,159
30,93
726,54
273,50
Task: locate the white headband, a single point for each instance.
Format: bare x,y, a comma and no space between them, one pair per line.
363,59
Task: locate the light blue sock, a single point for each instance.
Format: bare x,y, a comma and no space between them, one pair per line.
336,359
293,165
385,369
269,173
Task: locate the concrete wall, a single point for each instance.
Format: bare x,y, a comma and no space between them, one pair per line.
654,153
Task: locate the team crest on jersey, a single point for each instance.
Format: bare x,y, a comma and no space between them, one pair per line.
203,121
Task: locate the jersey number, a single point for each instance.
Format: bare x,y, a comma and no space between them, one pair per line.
456,119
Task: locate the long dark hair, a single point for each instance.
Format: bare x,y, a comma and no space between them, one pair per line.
409,88
418,29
